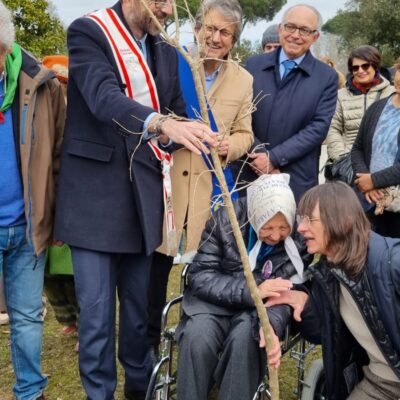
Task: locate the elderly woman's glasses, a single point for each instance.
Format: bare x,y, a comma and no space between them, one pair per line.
212,30
364,67
303,31
305,220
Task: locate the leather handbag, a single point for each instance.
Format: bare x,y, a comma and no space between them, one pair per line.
340,170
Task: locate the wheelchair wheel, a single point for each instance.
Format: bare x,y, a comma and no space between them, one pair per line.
314,387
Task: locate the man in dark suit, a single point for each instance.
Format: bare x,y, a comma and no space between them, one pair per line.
122,79
300,97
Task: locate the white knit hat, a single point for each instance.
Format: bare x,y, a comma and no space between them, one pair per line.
267,196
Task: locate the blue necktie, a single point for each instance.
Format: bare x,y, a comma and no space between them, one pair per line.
288,65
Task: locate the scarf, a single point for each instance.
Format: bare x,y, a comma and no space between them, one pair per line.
364,89
12,70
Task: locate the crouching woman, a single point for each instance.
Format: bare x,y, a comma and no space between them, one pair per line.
218,336
353,307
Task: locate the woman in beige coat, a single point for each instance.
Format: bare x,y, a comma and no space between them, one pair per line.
364,86
229,91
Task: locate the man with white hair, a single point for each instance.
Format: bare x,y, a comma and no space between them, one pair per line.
294,116
32,114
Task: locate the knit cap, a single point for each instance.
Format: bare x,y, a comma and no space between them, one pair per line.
267,196
271,35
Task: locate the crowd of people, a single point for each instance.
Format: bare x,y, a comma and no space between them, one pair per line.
116,171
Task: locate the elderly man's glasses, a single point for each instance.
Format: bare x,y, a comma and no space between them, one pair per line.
212,30
305,220
364,67
303,31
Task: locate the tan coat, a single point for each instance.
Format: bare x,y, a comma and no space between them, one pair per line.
41,121
230,98
347,118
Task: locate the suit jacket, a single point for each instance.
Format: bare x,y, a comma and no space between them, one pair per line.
99,205
230,99
295,114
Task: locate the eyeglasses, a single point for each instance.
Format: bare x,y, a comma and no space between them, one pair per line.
212,30
303,31
162,3
364,67
305,220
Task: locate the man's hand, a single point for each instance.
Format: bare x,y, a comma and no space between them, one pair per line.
364,182
274,287
294,298
57,243
223,146
275,354
261,164
373,196
191,134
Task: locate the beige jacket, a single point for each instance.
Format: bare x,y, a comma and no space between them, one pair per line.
350,109
41,123
230,98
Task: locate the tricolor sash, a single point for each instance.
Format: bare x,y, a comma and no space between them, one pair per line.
139,86
193,111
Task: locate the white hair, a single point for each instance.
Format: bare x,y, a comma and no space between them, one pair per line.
320,20
7,30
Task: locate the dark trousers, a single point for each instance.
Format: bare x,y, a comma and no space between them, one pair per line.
160,269
386,224
98,276
221,350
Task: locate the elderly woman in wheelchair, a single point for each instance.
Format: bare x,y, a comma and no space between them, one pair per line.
218,335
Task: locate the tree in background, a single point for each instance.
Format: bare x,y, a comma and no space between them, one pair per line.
245,49
253,10
373,22
38,29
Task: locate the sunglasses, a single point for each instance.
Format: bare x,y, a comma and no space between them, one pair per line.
364,67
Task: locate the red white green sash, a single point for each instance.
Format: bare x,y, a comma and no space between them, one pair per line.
139,86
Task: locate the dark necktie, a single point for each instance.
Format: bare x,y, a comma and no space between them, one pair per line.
288,65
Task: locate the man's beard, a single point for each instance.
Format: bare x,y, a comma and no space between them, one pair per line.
144,22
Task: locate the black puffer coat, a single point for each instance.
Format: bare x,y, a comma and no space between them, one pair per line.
216,281
377,294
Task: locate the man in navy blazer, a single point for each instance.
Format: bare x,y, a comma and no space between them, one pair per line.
110,196
300,92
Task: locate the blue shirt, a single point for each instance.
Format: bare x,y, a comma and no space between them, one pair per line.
11,194
283,57
385,140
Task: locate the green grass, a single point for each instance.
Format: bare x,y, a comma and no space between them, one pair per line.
60,362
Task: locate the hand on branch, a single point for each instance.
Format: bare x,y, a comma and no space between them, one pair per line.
294,298
274,287
275,354
364,182
193,135
223,146
261,164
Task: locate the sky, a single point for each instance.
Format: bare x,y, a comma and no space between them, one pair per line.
68,10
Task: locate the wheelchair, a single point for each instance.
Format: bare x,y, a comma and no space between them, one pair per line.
163,379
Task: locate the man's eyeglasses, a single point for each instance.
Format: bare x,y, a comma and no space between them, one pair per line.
303,31
364,67
305,220
212,30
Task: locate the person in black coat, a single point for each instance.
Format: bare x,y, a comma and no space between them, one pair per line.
218,336
375,157
353,305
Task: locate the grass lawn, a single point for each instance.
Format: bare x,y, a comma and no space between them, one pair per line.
60,362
